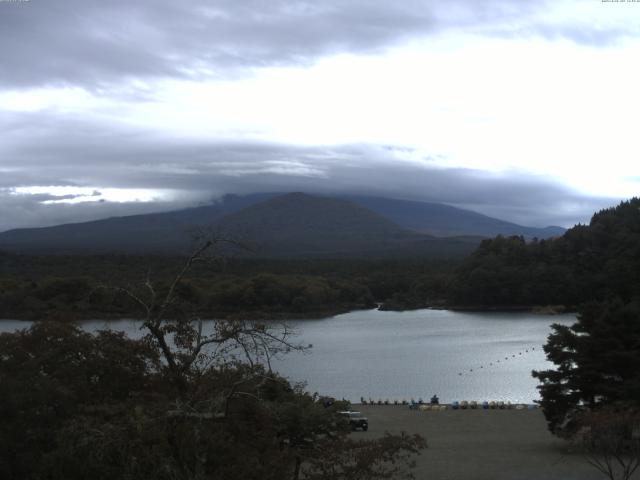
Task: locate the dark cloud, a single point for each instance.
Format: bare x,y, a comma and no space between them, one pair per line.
106,45
17,211
75,152
48,197
98,43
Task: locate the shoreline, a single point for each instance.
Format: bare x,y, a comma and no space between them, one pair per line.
321,314
493,405
539,309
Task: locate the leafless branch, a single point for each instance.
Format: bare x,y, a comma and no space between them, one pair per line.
183,342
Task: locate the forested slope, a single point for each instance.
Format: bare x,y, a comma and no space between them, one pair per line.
589,262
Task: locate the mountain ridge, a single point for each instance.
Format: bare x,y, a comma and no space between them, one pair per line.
297,223
435,219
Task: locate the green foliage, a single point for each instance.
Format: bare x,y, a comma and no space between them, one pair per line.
77,406
596,363
53,374
586,263
181,403
365,460
37,287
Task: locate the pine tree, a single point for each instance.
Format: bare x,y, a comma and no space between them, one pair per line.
597,362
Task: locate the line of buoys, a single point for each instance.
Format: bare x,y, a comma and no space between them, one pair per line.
474,405
505,359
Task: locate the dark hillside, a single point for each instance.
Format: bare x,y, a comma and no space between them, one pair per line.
167,232
589,262
287,225
446,221
297,223
335,226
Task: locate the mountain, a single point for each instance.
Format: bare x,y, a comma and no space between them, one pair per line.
299,223
280,224
156,232
446,221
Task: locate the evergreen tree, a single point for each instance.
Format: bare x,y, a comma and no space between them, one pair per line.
596,360
596,261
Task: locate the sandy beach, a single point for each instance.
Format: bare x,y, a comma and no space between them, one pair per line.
482,444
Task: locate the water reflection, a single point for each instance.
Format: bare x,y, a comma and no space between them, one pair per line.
395,355
458,355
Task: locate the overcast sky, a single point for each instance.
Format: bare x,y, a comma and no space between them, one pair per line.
521,109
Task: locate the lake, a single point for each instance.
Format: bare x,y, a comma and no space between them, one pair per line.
395,355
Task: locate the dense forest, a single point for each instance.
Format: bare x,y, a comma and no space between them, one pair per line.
589,262
78,287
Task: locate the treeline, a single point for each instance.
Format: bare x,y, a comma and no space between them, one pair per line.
89,286
589,262
266,294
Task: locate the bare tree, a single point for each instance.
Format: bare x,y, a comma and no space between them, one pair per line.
611,439
223,382
179,332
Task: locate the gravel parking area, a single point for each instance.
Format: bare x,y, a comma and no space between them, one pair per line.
482,444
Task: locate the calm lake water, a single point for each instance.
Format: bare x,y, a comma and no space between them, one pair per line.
396,355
